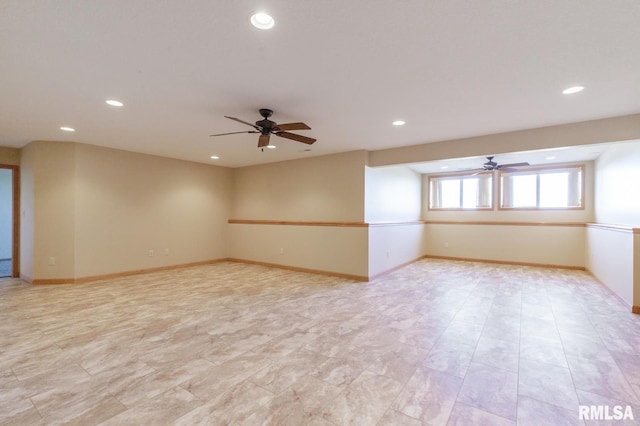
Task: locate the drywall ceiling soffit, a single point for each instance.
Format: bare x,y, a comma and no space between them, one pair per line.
348,69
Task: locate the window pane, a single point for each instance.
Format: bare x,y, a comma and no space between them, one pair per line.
554,190
470,193
465,192
524,191
450,193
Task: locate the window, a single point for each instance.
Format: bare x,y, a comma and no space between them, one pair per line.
548,188
460,192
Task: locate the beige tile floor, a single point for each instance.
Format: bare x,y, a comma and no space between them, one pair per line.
437,342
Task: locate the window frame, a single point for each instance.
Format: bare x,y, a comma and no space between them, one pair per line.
461,176
555,168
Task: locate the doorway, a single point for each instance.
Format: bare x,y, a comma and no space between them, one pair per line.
9,217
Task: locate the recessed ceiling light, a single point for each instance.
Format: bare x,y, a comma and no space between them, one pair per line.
67,129
398,123
444,167
214,157
551,158
113,102
574,89
271,146
262,21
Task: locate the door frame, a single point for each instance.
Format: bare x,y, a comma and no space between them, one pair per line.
15,234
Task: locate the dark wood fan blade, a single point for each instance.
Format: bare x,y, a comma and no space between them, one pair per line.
263,141
502,166
507,169
295,137
292,126
240,121
235,133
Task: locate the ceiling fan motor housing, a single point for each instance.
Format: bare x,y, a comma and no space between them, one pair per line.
490,165
266,126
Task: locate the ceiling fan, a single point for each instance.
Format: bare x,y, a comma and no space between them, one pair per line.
266,128
491,165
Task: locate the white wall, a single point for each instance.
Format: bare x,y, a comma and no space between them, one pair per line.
6,213
393,199
617,185
636,271
393,245
610,259
392,194
613,255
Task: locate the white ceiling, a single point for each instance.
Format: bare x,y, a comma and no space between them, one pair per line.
450,69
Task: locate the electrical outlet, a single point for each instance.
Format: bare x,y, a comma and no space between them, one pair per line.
166,252
151,253
52,260
281,250
446,245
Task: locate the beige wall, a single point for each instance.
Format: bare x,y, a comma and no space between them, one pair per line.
583,215
27,204
544,245
53,209
510,242
128,204
99,211
336,249
9,156
624,128
327,188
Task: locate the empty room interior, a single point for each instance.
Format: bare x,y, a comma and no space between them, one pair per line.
320,213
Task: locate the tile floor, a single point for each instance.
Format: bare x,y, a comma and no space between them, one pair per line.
437,342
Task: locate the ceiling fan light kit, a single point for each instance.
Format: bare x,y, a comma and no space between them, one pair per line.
266,128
